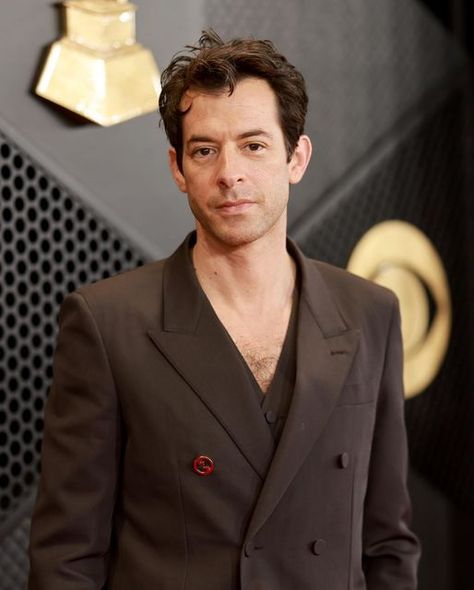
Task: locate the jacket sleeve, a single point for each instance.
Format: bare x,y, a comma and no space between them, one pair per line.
72,519
390,550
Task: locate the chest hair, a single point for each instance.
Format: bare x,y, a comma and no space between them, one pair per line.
261,347
259,339
262,360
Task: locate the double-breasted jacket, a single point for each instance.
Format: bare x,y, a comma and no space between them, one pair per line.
143,386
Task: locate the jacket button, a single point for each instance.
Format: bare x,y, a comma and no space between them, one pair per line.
318,546
203,465
343,460
270,417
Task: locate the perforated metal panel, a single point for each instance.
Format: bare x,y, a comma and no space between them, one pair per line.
13,566
50,244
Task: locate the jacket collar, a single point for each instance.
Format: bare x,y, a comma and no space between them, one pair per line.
183,297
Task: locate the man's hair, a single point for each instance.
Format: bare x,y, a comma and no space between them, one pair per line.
215,66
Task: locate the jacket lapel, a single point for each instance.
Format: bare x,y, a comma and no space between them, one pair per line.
196,344
325,352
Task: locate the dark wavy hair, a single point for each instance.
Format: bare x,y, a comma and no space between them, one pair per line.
215,66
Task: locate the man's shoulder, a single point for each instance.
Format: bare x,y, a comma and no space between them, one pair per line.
125,281
130,291
341,278
352,294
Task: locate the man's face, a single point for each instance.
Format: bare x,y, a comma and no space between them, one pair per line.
235,169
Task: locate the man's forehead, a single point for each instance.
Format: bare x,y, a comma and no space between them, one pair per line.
192,93
250,110
250,82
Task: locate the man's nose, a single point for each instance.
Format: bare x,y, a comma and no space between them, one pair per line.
229,170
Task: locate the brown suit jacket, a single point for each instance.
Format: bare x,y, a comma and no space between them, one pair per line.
143,384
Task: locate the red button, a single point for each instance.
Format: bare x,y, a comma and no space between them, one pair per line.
203,465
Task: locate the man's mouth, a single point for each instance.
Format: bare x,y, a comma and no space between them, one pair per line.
235,206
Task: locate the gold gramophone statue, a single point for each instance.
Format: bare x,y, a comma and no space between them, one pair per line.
97,69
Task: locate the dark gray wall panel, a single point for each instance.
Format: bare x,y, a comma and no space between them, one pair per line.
366,62
122,171
13,566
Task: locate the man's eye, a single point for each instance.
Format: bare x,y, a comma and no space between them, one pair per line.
203,151
255,147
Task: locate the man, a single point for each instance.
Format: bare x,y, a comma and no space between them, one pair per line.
231,417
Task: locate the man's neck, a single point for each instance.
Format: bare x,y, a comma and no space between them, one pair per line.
253,276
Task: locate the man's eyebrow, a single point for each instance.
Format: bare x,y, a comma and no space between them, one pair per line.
244,135
200,139
255,133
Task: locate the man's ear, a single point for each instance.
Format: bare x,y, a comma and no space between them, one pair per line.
175,171
300,159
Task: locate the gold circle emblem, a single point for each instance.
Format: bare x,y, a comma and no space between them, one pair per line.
399,256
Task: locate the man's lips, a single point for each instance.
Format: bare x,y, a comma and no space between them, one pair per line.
235,206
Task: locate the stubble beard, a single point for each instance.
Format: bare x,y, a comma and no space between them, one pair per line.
239,230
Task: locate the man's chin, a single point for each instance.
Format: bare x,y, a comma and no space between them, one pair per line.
233,238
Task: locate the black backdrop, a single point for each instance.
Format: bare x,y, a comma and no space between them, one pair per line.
385,149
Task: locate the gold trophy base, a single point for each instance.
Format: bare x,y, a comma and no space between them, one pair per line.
104,87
